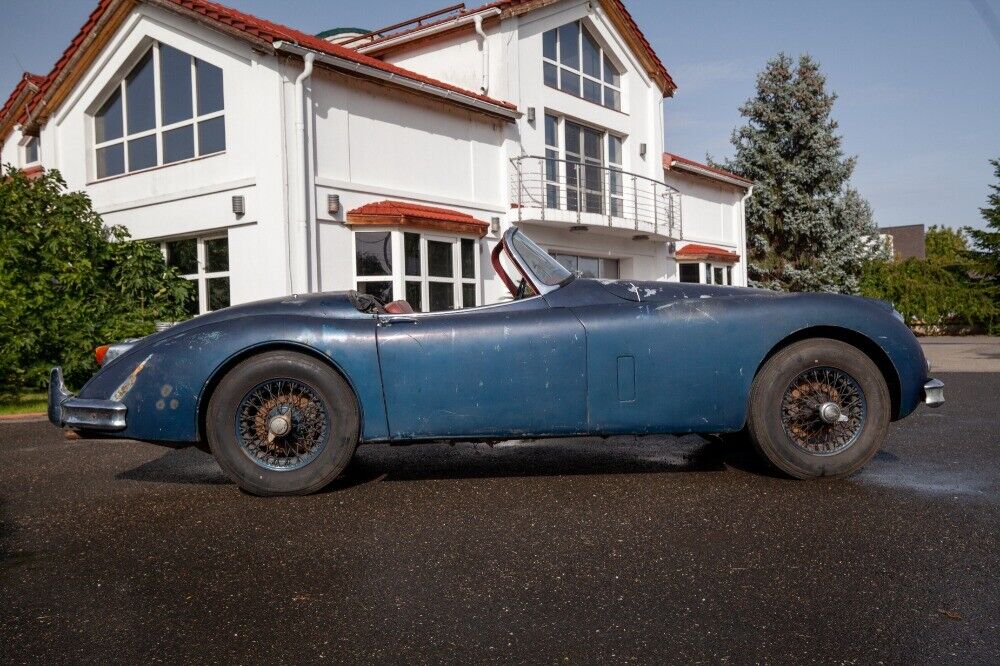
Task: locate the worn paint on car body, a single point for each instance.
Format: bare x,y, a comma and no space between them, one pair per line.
589,357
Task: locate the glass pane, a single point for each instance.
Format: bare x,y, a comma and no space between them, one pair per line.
551,165
592,91
609,269
209,81
551,128
717,273
591,56
573,170
569,45
411,247
140,97
552,196
439,260
175,85
442,296
31,150
549,44
468,295
212,136
550,74
593,178
729,275
468,258
108,121
570,82
178,144
191,307
142,153
590,267
708,273
569,261
413,296
572,138
218,293
594,203
380,290
616,208
546,270
592,144
216,255
373,253
689,272
183,255
611,74
612,99
614,149
111,160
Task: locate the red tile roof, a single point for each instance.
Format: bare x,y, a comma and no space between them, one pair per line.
670,160
699,251
411,214
21,90
254,28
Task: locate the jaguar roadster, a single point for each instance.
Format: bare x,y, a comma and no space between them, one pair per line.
283,391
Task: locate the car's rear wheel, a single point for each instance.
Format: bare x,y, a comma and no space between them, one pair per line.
819,407
282,423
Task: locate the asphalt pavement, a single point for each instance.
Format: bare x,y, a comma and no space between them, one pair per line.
649,550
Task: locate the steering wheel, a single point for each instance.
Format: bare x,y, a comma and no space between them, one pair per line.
522,290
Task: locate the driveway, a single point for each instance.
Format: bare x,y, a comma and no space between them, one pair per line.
655,549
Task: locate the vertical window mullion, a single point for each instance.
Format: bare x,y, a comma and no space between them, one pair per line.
121,88
425,290
157,102
194,105
456,271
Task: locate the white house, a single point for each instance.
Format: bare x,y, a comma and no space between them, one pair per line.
268,161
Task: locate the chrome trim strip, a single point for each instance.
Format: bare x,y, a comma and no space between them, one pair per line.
934,393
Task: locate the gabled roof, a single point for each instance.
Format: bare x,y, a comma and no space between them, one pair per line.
671,161
261,32
20,98
710,252
405,214
616,10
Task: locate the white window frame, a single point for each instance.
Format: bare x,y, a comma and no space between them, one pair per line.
705,272
600,260
399,277
201,277
159,129
562,180
604,57
24,150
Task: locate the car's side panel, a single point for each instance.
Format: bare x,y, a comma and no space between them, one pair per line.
164,402
505,371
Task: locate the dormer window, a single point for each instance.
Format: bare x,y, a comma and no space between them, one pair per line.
169,108
574,62
31,152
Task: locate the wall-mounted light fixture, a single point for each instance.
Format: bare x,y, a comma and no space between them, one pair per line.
640,237
642,150
578,227
531,115
239,205
495,224
333,204
671,248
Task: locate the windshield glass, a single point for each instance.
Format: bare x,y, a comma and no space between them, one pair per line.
545,268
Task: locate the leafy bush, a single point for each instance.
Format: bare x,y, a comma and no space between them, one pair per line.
68,283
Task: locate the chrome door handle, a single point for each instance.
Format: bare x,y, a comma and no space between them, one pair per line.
389,321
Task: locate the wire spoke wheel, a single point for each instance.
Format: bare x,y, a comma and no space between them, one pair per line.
282,424
823,411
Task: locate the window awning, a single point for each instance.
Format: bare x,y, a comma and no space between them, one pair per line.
417,216
699,252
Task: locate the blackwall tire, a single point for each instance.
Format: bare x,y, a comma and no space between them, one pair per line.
313,402
792,387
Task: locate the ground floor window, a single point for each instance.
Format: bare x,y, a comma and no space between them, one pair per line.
205,261
706,273
432,272
589,267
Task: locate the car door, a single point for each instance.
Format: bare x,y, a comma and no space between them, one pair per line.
506,371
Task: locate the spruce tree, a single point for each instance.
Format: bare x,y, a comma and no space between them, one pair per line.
806,229
986,242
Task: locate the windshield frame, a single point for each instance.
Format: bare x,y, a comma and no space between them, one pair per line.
539,285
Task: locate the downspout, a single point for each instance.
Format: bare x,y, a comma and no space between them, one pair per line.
298,230
743,236
484,84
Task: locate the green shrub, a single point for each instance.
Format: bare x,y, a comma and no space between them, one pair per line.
68,283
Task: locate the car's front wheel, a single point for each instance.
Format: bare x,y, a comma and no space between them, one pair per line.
282,423
819,407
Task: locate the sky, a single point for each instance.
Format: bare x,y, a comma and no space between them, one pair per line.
918,81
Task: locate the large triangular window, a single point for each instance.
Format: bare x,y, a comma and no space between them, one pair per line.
574,61
169,108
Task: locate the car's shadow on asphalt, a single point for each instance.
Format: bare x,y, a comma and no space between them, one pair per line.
468,460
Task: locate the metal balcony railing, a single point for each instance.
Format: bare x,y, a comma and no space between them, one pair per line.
593,193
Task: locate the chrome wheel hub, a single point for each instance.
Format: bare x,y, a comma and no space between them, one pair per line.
823,411
282,424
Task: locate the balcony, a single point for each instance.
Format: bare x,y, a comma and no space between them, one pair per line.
586,194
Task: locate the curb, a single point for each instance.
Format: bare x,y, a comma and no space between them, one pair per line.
30,416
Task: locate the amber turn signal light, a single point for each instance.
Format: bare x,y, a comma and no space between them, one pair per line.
100,352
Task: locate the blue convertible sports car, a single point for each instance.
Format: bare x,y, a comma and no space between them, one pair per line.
282,391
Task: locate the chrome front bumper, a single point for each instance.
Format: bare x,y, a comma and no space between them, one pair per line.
934,393
65,409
